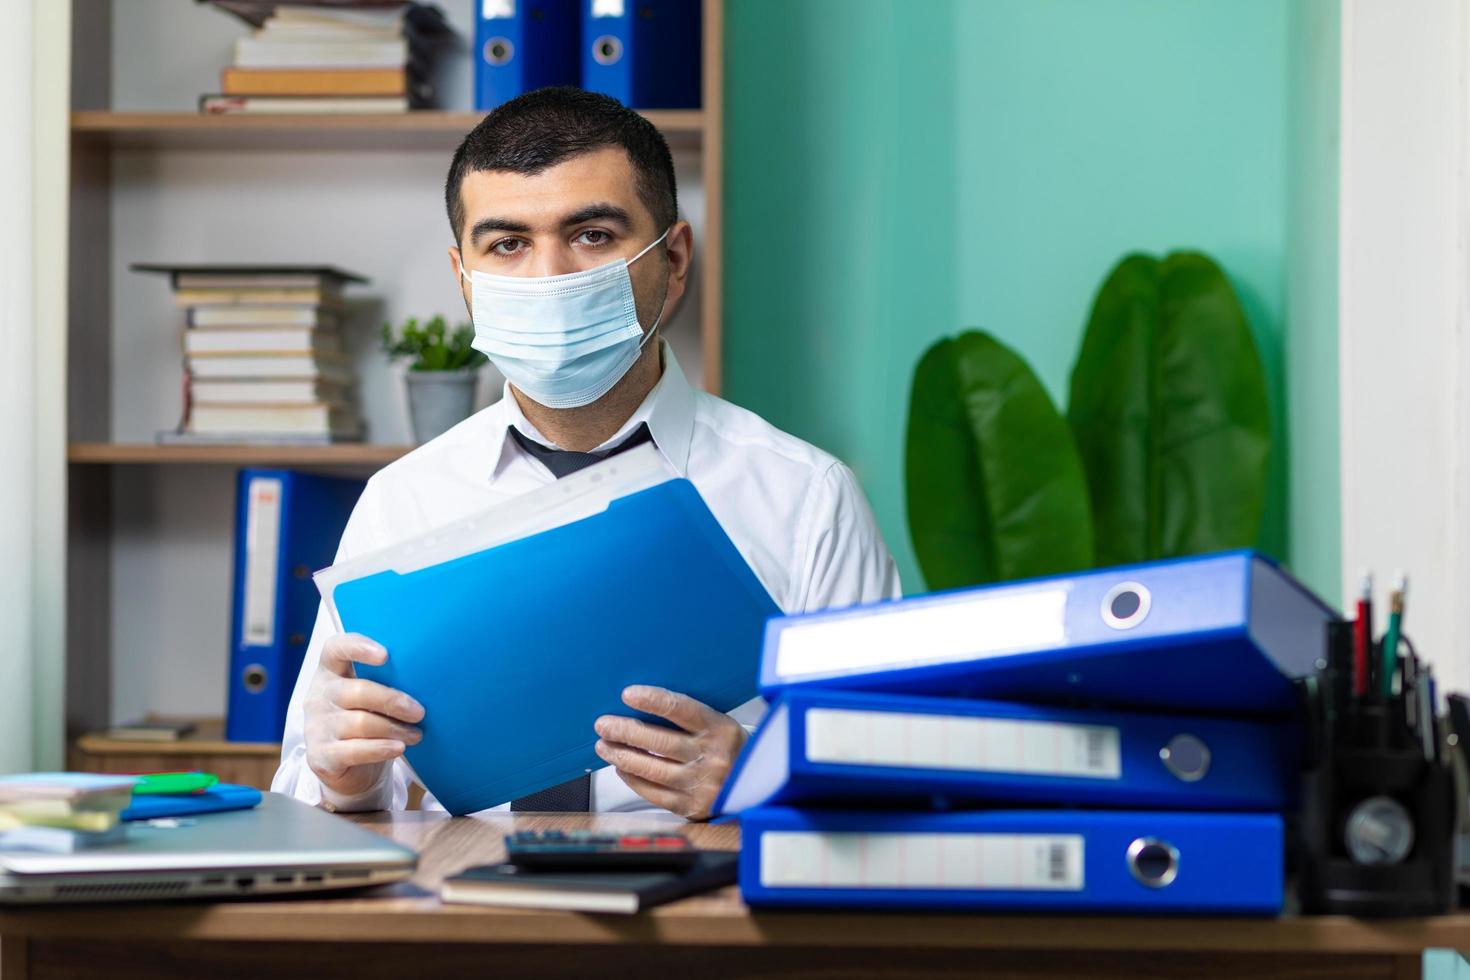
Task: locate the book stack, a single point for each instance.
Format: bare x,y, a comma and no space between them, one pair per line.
1114,741
263,354
319,58
62,812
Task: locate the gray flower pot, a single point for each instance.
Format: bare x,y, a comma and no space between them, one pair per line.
439,400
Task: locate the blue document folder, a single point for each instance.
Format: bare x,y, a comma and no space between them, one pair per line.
287,526
1014,860
644,53
522,45
515,650
843,747
1226,632
215,799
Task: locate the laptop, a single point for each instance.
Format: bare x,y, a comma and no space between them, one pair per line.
281,846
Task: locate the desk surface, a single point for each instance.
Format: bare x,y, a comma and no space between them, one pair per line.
410,912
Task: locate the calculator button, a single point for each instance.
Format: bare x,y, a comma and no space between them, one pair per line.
634,842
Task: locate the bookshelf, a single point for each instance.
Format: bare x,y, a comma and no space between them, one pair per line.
149,526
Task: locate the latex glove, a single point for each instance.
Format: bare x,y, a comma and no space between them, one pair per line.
681,771
354,727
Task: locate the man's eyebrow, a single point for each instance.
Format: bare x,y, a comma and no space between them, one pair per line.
486,225
601,211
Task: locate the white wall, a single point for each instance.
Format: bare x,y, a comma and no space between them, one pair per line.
1404,361
378,213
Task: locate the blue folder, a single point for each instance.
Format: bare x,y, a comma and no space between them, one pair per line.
522,45
1226,632
1151,862
644,53
837,747
287,525
515,651
219,797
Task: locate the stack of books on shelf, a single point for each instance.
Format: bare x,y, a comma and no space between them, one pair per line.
263,354
317,58
62,812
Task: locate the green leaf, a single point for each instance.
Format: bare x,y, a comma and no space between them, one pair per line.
995,487
1169,411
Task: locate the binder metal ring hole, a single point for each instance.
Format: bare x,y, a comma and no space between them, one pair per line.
499,51
255,678
607,50
1186,757
1153,862
1126,605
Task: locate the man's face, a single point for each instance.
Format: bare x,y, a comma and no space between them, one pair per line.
581,213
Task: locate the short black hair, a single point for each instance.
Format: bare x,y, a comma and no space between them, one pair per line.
544,127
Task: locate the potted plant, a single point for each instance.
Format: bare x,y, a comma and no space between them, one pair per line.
441,378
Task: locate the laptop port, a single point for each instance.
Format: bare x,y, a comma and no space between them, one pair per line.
284,879
243,883
215,880
311,879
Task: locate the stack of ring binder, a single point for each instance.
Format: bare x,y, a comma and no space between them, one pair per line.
1117,741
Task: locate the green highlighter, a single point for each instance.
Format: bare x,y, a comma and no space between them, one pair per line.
173,783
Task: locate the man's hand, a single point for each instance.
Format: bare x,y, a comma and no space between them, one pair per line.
355,727
681,771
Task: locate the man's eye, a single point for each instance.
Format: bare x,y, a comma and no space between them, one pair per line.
507,246
594,236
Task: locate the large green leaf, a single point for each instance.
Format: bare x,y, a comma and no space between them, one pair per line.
1169,411
995,487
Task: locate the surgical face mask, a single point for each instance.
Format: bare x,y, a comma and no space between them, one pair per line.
563,340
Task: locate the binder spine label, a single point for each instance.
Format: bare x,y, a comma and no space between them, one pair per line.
927,741
1005,862
927,633
262,551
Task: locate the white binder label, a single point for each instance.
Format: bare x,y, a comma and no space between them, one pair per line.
262,550
931,633
492,9
1005,862
924,741
608,8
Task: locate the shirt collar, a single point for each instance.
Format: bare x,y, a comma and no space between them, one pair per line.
668,409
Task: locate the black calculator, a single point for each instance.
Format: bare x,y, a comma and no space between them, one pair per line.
588,850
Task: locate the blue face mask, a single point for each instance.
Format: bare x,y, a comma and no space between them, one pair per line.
563,340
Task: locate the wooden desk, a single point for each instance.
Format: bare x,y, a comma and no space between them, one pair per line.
404,932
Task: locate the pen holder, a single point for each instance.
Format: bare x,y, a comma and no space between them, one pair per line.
1376,834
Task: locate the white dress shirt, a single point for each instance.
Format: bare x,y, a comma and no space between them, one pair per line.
795,513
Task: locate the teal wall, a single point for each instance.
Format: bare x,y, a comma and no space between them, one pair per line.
897,171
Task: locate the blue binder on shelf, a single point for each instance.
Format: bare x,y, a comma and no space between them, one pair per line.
522,45
1225,632
1151,862
287,525
644,53
518,627
839,747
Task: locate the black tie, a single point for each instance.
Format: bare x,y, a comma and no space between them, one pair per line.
574,795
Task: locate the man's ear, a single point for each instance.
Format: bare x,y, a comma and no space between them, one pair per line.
680,254
456,264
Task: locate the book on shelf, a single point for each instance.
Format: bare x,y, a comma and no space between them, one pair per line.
287,105
234,391
262,340
321,419
221,277
262,52
328,294
261,315
150,730
318,81
331,368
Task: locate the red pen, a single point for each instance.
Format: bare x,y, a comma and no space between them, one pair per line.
1362,634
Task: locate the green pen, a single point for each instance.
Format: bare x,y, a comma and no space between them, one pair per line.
173,783
1391,635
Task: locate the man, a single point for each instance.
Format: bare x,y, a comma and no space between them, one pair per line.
564,183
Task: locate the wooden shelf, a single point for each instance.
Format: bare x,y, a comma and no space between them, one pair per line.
406,130
203,750
208,738
342,454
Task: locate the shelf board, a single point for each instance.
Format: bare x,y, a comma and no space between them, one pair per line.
207,739
425,129
341,454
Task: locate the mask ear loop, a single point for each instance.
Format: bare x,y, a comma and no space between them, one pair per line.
658,319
